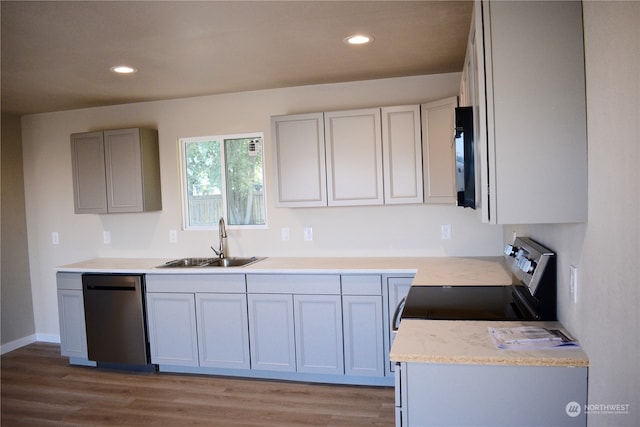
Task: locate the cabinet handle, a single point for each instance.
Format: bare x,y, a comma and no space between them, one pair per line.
396,315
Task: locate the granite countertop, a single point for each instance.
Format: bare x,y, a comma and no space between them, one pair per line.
468,342
436,271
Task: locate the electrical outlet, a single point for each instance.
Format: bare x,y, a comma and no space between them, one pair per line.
573,283
445,232
285,234
308,234
106,237
55,238
173,236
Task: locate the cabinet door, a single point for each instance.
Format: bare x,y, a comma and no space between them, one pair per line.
299,154
439,159
88,168
271,333
533,115
223,330
363,343
397,288
435,393
402,154
172,329
73,335
123,170
354,157
318,334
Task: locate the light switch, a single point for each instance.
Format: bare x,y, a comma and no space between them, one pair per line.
106,237
55,238
285,234
173,236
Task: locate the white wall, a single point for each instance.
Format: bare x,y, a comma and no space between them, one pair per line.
606,318
357,231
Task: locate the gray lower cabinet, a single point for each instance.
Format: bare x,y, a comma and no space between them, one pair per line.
203,325
271,332
295,323
363,325
223,336
296,333
430,394
172,328
313,327
318,332
73,334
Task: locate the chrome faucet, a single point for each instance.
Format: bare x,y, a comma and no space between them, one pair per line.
222,250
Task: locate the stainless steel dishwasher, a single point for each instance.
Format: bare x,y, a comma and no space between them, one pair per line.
115,320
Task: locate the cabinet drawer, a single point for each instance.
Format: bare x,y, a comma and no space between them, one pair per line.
317,284
369,284
71,281
202,283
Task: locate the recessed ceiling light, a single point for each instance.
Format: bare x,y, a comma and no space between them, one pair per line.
358,39
124,69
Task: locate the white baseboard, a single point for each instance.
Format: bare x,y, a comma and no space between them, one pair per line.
21,342
48,338
13,345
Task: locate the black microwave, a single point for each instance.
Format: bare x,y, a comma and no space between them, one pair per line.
465,163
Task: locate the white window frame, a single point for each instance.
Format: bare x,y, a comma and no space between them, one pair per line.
182,145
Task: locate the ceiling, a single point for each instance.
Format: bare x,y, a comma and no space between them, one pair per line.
56,55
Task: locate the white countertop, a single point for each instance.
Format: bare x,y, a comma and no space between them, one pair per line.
428,341
469,342
428,271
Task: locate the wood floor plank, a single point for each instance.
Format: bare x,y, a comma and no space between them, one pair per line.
40,388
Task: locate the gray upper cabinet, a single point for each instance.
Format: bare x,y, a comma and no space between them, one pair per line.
116,171
354,157
438,147
298,144
370,156
531,111
89,184
402,154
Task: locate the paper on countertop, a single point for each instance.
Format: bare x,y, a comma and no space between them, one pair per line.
530,337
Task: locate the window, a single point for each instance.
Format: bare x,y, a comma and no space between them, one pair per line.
223,176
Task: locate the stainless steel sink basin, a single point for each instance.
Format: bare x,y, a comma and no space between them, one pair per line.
209,262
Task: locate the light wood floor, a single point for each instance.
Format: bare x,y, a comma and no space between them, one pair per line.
39,388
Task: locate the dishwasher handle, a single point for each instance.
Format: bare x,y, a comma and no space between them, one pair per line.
111,288
396,315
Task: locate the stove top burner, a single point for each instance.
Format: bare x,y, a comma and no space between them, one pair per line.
461,303
532,296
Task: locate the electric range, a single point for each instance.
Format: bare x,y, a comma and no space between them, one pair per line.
531,296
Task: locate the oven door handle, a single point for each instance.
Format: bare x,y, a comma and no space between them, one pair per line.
395,323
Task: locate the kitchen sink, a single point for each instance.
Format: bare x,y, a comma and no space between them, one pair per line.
209,262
